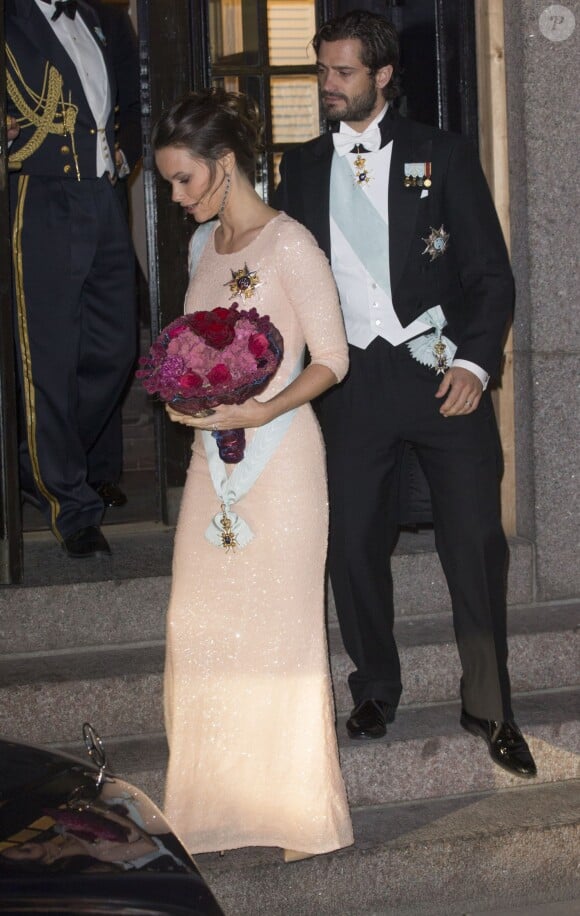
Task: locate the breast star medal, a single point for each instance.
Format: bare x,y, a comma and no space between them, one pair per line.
436,242
243,282
362,174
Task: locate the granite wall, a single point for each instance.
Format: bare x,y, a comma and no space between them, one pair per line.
543,77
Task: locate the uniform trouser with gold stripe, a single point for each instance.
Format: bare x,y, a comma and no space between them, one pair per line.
75,330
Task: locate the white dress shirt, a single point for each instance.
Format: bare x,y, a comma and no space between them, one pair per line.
368,310
85,54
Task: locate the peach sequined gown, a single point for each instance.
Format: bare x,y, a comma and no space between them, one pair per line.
248,704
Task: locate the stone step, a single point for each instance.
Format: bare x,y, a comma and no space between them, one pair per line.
425,754
44,695
124,598
438,857
543,647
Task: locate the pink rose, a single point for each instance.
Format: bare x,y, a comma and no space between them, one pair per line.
177,328
258,344
219,374
190,381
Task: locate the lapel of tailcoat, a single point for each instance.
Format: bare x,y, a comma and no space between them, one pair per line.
403,202
316,191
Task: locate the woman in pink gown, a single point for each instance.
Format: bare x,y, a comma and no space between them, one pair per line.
248,703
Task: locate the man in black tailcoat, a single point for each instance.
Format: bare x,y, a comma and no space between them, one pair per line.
405,216
74,270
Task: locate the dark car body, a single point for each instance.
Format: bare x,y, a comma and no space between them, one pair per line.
76,840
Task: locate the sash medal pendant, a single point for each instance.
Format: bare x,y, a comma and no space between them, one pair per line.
440,354
228,538
362,174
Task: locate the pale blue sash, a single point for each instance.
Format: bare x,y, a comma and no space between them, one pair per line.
230,489
421,348
360,222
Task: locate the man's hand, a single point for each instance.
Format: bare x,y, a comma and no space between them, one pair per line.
12,128
462,391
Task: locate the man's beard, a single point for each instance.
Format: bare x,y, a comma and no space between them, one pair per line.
358,108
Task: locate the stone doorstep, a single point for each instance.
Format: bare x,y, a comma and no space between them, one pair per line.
124,605
425,754
119,687
504,847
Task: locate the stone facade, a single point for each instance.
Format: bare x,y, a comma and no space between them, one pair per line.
543,124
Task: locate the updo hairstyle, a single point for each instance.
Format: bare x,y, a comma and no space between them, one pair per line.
209,124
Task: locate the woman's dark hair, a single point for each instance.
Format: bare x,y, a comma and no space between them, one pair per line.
378,37
211,123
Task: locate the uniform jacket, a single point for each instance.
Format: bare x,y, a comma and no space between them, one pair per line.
36,60
471,280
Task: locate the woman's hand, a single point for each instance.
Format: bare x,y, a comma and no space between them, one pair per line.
249,415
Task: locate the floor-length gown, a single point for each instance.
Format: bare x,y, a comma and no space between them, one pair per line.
248,703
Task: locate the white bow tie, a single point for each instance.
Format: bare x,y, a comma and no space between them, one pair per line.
370,139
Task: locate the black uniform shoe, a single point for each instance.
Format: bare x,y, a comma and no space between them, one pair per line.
87,542
111,494
507,746
369,719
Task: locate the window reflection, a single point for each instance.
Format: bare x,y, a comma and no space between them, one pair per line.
233,27
291,25
263,48
295,116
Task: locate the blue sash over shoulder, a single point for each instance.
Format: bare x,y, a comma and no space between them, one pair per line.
360,222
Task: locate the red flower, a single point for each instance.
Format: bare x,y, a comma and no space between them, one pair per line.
190,381
177,328
219,374
217,327
258,344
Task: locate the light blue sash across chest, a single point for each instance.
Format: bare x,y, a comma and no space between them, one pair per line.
362,225
368,235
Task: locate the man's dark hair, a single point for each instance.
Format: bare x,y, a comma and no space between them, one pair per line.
378,37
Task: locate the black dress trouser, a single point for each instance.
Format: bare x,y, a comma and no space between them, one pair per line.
75,329
389,398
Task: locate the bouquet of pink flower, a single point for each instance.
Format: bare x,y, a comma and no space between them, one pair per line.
205,359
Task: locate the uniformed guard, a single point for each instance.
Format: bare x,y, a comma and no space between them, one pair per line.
73,260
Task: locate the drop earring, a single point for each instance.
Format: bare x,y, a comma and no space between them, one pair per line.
226,194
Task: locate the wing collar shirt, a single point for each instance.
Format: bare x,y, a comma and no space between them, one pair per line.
367,308
81,47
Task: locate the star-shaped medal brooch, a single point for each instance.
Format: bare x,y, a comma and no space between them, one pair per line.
436,243
243,282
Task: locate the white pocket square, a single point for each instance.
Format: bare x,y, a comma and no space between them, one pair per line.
424,193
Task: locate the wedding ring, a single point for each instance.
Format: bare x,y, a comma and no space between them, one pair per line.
214,427
468,403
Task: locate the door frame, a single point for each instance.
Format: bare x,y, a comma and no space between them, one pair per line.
11,562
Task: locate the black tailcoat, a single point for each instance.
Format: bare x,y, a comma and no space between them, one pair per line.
472,281
388,399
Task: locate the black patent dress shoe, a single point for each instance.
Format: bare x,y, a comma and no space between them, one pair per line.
87,542
369,719
507,746
111,494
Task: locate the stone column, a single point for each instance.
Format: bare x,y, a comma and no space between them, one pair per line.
542,54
